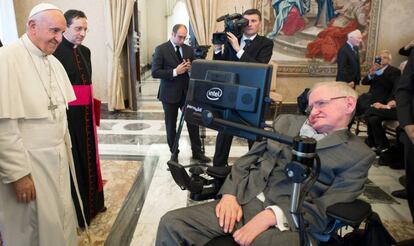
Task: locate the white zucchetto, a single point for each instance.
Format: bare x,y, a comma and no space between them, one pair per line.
42,7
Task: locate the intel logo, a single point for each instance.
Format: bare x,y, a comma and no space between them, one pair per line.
214,94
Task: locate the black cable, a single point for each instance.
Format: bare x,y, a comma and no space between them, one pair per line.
304,240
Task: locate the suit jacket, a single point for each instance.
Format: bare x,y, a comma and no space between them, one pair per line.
405,94
172,89
348,65
381,87
345,161
259,51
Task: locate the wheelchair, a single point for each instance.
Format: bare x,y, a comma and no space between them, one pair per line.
204,182
231,97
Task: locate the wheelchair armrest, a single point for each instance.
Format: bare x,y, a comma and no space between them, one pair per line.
218,172
352,213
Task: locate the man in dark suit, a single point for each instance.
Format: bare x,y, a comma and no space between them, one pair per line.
405,113
348,60
1,44
379,103
171,63
256,195
250,47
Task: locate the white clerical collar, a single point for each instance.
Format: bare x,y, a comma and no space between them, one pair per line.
251,38
31,47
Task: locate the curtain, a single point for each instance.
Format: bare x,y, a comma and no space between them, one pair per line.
203,14
8,27
170,7
118,17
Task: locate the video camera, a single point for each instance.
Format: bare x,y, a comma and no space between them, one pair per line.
233,23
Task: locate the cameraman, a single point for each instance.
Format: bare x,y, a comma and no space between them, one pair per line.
256,49
250,47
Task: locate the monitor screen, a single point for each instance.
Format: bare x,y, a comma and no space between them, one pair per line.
233,91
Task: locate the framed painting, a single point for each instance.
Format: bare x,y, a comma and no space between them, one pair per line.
307,34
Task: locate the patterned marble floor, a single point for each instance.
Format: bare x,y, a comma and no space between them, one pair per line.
118,177
140,134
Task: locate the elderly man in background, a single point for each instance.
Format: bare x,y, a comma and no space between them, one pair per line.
36,207
349,69
256,196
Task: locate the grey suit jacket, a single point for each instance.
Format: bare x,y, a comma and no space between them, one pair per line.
345,161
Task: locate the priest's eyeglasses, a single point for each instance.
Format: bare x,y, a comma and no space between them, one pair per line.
321,104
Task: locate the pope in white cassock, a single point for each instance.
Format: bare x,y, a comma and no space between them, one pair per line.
36,207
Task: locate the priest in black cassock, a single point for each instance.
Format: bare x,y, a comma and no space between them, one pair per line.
76,60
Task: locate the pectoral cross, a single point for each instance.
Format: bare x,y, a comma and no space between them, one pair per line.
52,107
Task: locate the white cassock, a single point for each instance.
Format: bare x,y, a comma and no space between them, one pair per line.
35,140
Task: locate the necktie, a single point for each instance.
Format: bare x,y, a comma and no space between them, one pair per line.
355,49
177,51
247,43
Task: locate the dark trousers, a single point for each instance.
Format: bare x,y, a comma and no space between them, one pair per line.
222,151
409,170
170,117
376,132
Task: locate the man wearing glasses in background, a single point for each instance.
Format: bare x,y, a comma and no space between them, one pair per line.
171,63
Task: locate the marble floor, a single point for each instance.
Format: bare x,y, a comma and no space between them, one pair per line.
141,135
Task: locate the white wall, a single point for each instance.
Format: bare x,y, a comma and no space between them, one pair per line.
396,27
8,28
179,16
156,25
142,23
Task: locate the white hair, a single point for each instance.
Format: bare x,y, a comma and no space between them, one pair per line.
354,33
337,87
387,53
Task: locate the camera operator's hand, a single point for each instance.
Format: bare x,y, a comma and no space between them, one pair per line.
228,211
234,41
183,67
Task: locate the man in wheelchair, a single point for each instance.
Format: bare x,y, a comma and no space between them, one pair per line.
255,201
